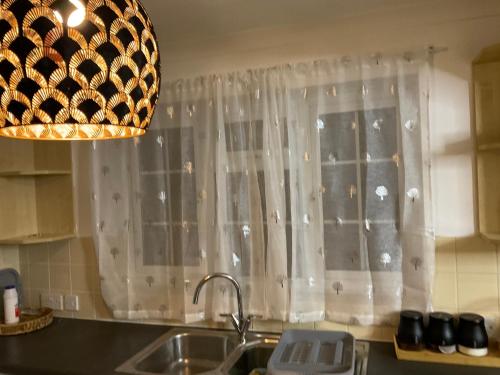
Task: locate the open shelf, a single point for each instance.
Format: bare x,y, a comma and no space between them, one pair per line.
36,179
486,71
492,236
36,238
34,156
45,172
488,180
489,147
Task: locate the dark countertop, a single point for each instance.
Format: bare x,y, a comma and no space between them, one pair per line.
85,347
75,347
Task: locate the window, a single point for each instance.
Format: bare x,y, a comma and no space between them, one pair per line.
358,148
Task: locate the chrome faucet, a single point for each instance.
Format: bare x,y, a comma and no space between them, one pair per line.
240,323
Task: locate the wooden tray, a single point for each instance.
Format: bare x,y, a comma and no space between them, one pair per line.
491,360
31,321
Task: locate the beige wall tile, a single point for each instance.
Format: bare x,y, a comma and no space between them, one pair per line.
287,325
59,252
24,271
38,253
444,296
26,302
9,257
101,309
82,251
87,306
24,254
476,255
446,260
39,273
330,326
63,314
376,333
478,292
35,297
84,278
274,326
60,276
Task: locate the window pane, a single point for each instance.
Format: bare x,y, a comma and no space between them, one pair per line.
180,148
186,251
380,191
342,247
244,136
151,155
183,197
340,195
378,133
239,187
384,248
338,138
154,200
155,245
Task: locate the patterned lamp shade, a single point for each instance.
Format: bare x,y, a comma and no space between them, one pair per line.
76,69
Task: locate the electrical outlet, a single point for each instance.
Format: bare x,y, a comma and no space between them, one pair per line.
54,301
71,303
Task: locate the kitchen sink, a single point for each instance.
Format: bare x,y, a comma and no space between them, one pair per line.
212,352
252,359
183,351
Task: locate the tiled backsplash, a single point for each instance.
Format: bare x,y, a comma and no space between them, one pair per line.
467,279
67,268
467,276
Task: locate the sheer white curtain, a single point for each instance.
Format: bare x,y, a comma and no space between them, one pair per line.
309,183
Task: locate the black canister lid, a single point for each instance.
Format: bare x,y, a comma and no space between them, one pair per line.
411,314
471,318
441,316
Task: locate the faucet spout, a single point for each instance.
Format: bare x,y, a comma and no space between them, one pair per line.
240,323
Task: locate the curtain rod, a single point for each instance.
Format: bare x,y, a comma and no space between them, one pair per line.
408,55
431,50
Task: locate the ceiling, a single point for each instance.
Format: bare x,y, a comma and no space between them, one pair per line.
205,36
181,20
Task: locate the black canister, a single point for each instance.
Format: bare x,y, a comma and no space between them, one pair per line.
472,335
411,330
441,332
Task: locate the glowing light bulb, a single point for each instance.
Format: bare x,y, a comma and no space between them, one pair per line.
77,15
58,16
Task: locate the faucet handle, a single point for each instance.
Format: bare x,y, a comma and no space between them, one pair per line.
239,326
249,319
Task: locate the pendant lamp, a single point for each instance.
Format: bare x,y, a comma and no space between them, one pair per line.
76,69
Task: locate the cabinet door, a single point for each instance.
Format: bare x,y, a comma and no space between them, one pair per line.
487,96
487,108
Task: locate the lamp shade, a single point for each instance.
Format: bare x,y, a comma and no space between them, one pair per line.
76,69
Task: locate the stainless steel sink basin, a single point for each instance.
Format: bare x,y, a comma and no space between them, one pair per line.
255,353
183,351
200,351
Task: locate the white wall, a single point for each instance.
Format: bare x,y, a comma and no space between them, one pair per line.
463,26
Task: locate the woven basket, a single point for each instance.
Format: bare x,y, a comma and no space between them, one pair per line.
32,321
